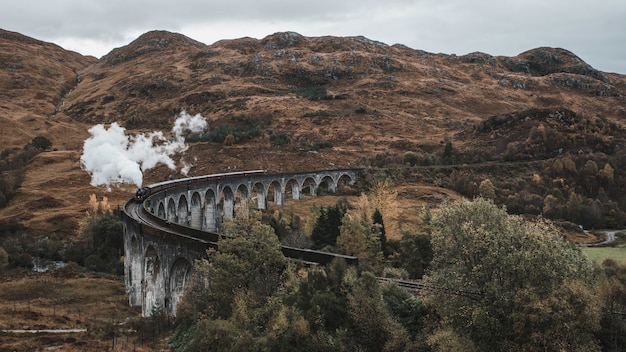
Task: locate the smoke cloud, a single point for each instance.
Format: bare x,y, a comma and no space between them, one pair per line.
112,157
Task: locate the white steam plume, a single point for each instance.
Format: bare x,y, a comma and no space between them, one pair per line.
111,157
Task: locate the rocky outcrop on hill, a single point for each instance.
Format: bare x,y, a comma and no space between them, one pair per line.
545,61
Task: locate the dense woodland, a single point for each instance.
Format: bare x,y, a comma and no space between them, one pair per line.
499,283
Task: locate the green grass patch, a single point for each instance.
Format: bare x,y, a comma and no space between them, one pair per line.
599,254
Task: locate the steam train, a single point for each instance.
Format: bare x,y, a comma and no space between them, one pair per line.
144,192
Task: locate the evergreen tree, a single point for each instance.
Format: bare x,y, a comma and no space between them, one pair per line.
327,227
447,151
377,219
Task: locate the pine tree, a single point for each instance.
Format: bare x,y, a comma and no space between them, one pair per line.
447,151
377,219
327,227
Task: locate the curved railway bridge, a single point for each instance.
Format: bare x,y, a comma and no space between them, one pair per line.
168,225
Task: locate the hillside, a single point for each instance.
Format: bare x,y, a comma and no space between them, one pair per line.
315,103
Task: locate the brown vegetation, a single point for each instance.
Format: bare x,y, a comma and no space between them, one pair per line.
68,299
544,128
368,103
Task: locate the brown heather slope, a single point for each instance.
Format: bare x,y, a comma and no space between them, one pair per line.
34,78
377,102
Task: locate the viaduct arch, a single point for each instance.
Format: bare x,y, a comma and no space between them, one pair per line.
177,221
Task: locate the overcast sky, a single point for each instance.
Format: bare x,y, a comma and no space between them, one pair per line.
595,30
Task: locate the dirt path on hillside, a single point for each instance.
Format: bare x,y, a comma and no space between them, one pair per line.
609,237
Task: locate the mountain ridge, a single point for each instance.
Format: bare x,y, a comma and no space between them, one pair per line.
366,102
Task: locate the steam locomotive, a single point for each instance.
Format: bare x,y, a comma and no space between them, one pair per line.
145,192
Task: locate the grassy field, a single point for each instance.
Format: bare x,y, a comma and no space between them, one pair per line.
599,254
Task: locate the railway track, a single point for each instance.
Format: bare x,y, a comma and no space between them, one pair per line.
417,287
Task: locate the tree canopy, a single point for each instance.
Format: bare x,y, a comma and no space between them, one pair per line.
500,283
246,297
534,290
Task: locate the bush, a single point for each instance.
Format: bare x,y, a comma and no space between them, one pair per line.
94,262
322,145
313,93
410,158
325,113
4,259
21,260
5,153
280,139
40,142
241,133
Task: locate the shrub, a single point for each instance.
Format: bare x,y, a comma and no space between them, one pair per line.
322,145
325,113
4,259
5,153
409,158
229,140
280,139
240,133
40,142
313,93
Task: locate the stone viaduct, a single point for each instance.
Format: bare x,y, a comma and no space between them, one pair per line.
169,225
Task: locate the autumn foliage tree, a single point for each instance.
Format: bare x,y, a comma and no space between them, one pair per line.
487,190
527,289
383,197
361,238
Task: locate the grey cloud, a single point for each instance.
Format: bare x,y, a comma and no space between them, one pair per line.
594,30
